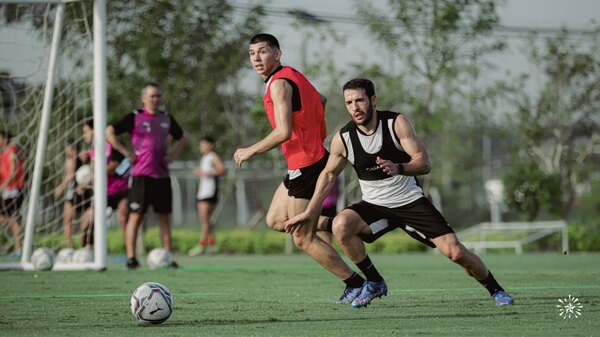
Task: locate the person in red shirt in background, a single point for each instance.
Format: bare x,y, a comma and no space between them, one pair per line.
12,182
295,110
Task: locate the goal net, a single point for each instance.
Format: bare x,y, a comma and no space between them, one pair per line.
47,94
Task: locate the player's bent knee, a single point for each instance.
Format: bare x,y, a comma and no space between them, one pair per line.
301,241
339,228
275,225
455,253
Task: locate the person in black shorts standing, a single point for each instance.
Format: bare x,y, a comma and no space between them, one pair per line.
387,156
150,130
210,169
117,182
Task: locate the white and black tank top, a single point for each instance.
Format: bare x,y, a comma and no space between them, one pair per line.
209,185
362,150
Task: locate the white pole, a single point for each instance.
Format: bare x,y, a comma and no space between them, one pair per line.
40,153
100,244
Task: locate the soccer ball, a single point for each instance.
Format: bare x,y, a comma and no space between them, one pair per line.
83,255
65,255
42,259
159,258
84,175
152,302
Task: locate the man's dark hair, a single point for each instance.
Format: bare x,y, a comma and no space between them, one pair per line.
89,123
361,83
208,138
268,38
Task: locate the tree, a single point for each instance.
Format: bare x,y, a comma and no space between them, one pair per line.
557,129
196,50
438,42
440,45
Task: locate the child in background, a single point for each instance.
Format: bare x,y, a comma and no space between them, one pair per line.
210,169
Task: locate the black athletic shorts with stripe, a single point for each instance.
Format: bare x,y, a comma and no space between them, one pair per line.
302,185
147,191
11,207
419,219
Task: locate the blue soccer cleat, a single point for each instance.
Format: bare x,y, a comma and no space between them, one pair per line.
370,291
349,295
502,298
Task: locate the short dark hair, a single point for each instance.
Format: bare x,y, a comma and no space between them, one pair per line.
89,123
74,143
208,138
6,135
268,38
361,83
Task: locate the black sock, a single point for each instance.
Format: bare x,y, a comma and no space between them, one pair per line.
371,273
491,284
329,225
354,281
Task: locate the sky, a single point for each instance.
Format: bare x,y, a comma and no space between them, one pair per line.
19,56
522,14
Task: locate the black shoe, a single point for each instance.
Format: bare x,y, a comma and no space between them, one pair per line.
132,264
173,265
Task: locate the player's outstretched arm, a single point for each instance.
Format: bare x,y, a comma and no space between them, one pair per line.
281,95
335,165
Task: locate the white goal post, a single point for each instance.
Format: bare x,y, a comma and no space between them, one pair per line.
534,231
99,141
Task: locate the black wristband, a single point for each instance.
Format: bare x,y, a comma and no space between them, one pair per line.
400,169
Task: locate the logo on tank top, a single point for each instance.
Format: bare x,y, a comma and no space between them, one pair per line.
373,168
164,125
148,126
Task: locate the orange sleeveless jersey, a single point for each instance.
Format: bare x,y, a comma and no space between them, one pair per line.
305,147
18,182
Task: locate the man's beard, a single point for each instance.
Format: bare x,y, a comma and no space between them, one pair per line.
368,116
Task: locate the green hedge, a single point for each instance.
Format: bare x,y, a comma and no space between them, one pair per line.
242,241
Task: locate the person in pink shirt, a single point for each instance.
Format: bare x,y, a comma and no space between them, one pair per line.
329,209
151,131
117,181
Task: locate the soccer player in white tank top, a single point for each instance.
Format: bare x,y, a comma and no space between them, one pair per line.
387,156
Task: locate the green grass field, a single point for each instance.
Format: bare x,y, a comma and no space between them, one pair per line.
225,295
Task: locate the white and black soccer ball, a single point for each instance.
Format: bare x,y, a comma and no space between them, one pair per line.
42,259
83,255
84,175
65,255
159,258
152,302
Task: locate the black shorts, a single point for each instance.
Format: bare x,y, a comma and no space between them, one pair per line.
302,185
112,201
82,201
11,207
329,211
213,200
146,191
419,219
